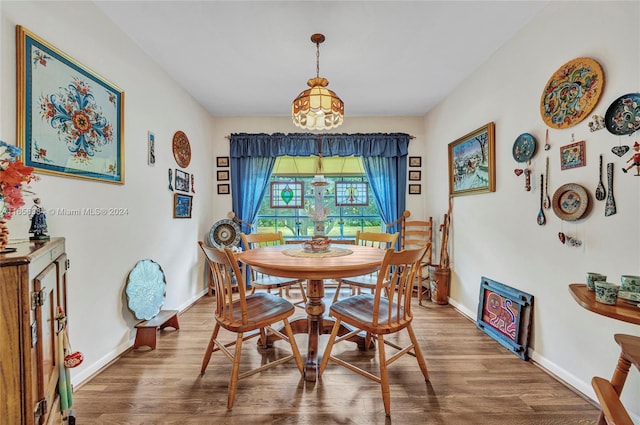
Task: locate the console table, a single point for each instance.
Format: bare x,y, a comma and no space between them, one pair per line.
622,310
608,392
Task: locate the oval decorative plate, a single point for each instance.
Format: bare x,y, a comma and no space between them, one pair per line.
181,149
570,202
524,147
146,287
224,233
571,93
623,116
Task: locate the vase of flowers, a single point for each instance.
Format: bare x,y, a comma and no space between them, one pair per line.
14,180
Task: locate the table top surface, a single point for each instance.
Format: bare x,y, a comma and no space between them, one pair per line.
621,310
273,261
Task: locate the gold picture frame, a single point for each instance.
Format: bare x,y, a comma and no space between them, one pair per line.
70,121
472,166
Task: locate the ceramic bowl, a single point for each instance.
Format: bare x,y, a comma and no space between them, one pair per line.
607,293
592,278
630,283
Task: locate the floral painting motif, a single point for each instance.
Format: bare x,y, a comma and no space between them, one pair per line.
571,93
72,120
78,120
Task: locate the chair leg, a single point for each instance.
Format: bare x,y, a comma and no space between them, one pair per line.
303,293
327,350
416,348
337,294
384,376
210,347
294,346
233,379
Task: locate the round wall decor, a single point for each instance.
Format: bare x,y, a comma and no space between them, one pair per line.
181,149
570,202
524,147
224,233
623,115
571,93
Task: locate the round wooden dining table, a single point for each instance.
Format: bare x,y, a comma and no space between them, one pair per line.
292,261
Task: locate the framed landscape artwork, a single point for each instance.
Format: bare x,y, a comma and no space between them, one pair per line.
70,120
472,162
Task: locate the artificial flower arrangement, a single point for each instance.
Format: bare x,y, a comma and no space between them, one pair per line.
14,180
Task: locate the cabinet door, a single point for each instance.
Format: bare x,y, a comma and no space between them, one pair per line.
62,265
44,303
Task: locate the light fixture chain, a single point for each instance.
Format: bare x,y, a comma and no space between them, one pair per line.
318,60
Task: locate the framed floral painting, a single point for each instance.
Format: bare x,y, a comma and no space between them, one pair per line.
70,120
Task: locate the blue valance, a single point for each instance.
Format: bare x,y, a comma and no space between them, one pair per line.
387,145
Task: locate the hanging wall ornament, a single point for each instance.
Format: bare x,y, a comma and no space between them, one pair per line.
610,205
623,115
634,161
600,192
596,123
571,93
524,148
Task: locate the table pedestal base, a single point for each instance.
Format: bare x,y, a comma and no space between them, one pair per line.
315,324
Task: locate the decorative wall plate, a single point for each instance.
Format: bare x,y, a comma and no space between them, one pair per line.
524,147
571,93
181,149
623,115
570,202
146,287
224,233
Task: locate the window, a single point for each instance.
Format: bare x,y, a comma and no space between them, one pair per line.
342,222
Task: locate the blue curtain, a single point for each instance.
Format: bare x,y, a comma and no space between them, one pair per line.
384,157
249,180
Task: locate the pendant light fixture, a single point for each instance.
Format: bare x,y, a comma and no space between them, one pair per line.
317,108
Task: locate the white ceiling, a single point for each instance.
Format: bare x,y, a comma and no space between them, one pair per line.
383,58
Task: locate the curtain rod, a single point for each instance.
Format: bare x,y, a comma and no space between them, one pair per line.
228,137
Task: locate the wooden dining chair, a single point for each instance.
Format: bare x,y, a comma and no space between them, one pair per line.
414,234
265,281
386,311
245,315
375,240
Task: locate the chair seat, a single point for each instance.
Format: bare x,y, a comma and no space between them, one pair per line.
267,281
358,311
262,309
363,281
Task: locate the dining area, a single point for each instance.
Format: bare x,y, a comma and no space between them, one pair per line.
466,385
363,318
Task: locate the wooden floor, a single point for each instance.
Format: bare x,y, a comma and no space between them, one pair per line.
473,380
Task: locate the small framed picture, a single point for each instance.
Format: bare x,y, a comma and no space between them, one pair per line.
222,161
415,161
415,175
572,156
181,205
182,180
223,189
151,149
415,189
223,175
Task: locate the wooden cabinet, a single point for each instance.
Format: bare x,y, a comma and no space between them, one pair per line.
33,284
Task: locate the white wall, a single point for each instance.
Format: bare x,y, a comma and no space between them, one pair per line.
496,235
103,250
